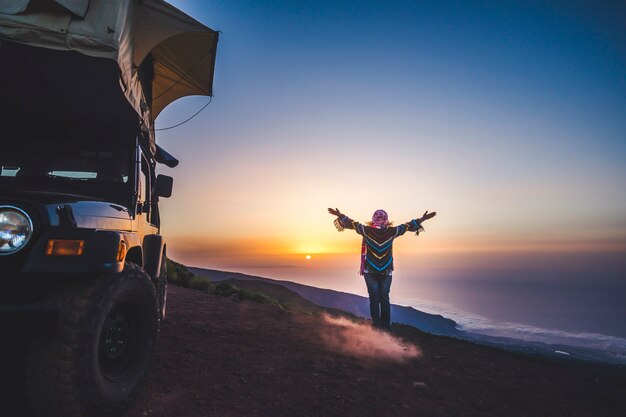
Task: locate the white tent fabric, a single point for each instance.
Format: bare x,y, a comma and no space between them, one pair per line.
183,50
78,7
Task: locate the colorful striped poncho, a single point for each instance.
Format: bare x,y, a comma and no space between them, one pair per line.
377,247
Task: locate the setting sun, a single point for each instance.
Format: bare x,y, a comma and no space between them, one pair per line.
308,257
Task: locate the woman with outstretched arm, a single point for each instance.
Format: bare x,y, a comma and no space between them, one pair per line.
377,257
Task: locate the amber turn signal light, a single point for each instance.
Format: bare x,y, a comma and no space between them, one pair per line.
58,247
121,252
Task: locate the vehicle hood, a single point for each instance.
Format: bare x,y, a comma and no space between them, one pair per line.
69,210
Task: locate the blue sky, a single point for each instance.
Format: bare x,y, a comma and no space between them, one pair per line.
508,118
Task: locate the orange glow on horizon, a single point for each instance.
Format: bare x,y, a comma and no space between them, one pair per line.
342,251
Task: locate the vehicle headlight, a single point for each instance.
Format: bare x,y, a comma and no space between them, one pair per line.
16,229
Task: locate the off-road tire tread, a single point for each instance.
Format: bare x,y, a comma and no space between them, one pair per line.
56,367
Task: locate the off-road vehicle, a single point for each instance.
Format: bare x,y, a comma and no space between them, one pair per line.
82,260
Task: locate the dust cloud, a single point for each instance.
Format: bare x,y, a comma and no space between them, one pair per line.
361,340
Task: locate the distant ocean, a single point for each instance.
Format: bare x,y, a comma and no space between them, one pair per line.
552,307
570,308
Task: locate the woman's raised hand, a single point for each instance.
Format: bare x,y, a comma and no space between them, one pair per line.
334,212
428,215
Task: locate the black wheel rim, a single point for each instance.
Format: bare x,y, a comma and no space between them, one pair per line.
117,347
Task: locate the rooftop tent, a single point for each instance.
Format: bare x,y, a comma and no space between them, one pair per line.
131,32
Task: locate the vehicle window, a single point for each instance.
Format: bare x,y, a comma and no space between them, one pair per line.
8,171
74,174
86,157
146,182
68,166
142,185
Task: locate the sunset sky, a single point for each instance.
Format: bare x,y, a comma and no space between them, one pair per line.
507,118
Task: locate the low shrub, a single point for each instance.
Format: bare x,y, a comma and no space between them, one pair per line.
200,283
225,290
257,297
178,274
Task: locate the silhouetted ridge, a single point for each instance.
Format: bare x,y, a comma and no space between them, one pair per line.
351,303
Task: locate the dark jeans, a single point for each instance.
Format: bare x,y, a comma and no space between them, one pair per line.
378,286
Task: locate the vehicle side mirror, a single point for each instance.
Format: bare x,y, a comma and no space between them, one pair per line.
164,185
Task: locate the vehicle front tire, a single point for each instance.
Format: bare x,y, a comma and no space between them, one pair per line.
97,362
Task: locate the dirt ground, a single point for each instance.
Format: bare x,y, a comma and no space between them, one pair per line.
223,357
219,357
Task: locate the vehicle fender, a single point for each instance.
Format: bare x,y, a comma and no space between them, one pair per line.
152,254
105,249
